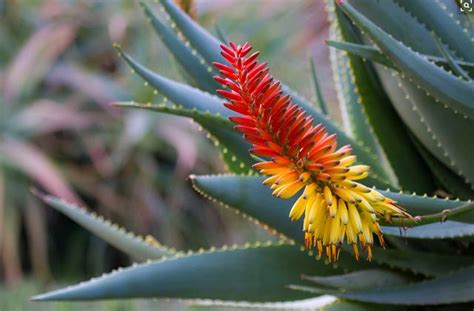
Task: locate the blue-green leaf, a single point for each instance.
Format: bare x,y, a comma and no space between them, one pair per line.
455,287
450,90
234,150
373,54
134,246
424,263
445,230
200,39
357,280
250,198
185,56
370,115
178,93
253,273
443,23
321,102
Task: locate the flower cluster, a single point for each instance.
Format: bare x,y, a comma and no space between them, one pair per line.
301,156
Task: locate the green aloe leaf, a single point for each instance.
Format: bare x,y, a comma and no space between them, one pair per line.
366,52
395,20
234,150
134,246
453,92
354,118
445,134
221,34
186,56
373,54
360,279
445,230
251,199
179,93
455,287
442,22
320,101
455,185
199,38
253,273
370,115
450,59
424,263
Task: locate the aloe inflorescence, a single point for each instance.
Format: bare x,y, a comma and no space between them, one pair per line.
303,156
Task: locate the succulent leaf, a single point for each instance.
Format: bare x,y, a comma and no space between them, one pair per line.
454,184
455,287
373,54
320,101
251,199
135,246
199,38
234,150
395,20
445,230
179,93
357,280
445,134
371,116
442,22
240,273
355,119
453,92
418,262
186,56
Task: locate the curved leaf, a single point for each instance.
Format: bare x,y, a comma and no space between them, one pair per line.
134,246
393,19
200,39
454,184
321,102
179,93
445,134
185,56
253,200
456,287
371,116
355,120
441,21
253,273
445,230
428,264
234,150
374,278
373,54
451,91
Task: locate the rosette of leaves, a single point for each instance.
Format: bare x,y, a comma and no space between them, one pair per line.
430,267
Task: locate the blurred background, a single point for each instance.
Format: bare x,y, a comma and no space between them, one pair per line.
58,133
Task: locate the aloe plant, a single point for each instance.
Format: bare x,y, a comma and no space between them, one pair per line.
408,110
